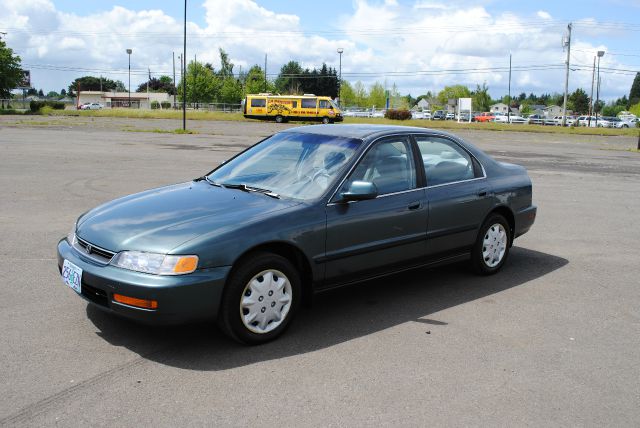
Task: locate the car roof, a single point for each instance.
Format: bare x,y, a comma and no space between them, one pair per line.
362,131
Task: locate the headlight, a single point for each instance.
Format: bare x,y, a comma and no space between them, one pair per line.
158,264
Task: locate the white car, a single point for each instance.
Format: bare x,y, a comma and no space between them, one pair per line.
91,106
501,117
618,123
450,116
515,118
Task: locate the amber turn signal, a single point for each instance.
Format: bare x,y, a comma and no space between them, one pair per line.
186,264
138,303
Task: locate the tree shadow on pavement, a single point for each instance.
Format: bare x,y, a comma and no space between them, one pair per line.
336,316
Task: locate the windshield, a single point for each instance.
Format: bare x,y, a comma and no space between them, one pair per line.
299,166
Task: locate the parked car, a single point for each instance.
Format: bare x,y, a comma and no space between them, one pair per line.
535,119
439,115
514,118
615,122
587,121
500,117
91,106
464,117
450,116
305,210
484,117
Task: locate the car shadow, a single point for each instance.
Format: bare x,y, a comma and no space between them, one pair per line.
336,316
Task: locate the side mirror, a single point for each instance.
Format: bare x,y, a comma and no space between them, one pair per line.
360,191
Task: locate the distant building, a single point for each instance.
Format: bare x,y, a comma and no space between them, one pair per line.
553,111
423,104
499,108
141,100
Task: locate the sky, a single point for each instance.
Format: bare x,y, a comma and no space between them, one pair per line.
416,45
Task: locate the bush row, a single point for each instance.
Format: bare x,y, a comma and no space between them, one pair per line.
37,105
401,114
164,104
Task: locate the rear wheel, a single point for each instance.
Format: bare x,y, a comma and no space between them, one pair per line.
260,299
279,119
492,245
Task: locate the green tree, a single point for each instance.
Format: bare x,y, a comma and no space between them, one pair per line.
453,92
92,83
63,92
361,94
226,67
53,94
612,109
348,95
579,101
230,91
10,71
202,85
289,80
377,96
634,93
161,84
481,99
254,82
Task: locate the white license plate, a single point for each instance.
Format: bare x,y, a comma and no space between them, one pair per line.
72,276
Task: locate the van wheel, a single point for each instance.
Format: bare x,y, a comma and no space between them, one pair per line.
325,120
279,119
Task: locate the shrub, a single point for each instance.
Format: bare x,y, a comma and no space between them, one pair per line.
165,104
35,106
400,114
155,105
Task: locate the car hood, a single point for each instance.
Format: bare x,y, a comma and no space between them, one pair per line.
161,219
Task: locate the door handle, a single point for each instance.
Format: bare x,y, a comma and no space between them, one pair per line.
414,205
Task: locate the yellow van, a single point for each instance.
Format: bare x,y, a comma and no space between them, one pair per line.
282,108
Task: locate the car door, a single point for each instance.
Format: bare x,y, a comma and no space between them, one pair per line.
376,235
457,195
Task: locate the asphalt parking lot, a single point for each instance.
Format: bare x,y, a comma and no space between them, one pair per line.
552,340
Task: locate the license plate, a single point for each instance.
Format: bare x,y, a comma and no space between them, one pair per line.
72,276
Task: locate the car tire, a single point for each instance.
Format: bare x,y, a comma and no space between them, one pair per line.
275,286
326,120
279,119
492,245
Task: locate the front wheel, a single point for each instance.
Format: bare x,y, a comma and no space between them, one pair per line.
279,119
260,299
326,120
492,245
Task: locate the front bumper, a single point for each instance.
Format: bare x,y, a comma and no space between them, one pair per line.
182,298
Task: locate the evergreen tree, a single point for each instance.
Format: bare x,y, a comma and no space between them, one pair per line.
634,93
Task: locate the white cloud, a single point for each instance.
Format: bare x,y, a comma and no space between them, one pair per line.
377,37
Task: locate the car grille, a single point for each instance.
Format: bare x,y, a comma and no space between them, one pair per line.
97,254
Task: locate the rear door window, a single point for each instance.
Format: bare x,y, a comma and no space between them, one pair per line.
309,102
258,102
445,161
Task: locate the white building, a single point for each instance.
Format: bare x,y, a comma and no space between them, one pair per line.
141,100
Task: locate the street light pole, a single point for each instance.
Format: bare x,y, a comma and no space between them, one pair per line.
600,55
184,79
340,50
129,51
509,97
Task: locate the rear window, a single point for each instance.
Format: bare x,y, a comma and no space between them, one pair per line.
258,102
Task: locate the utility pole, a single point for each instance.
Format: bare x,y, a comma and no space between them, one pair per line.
184,80
509,96
173,57
597,105
195,79
566,80
593,78
265,73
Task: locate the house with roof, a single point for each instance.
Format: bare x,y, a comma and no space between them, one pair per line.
499,108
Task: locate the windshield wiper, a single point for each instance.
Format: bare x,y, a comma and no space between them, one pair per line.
206,178
246,188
